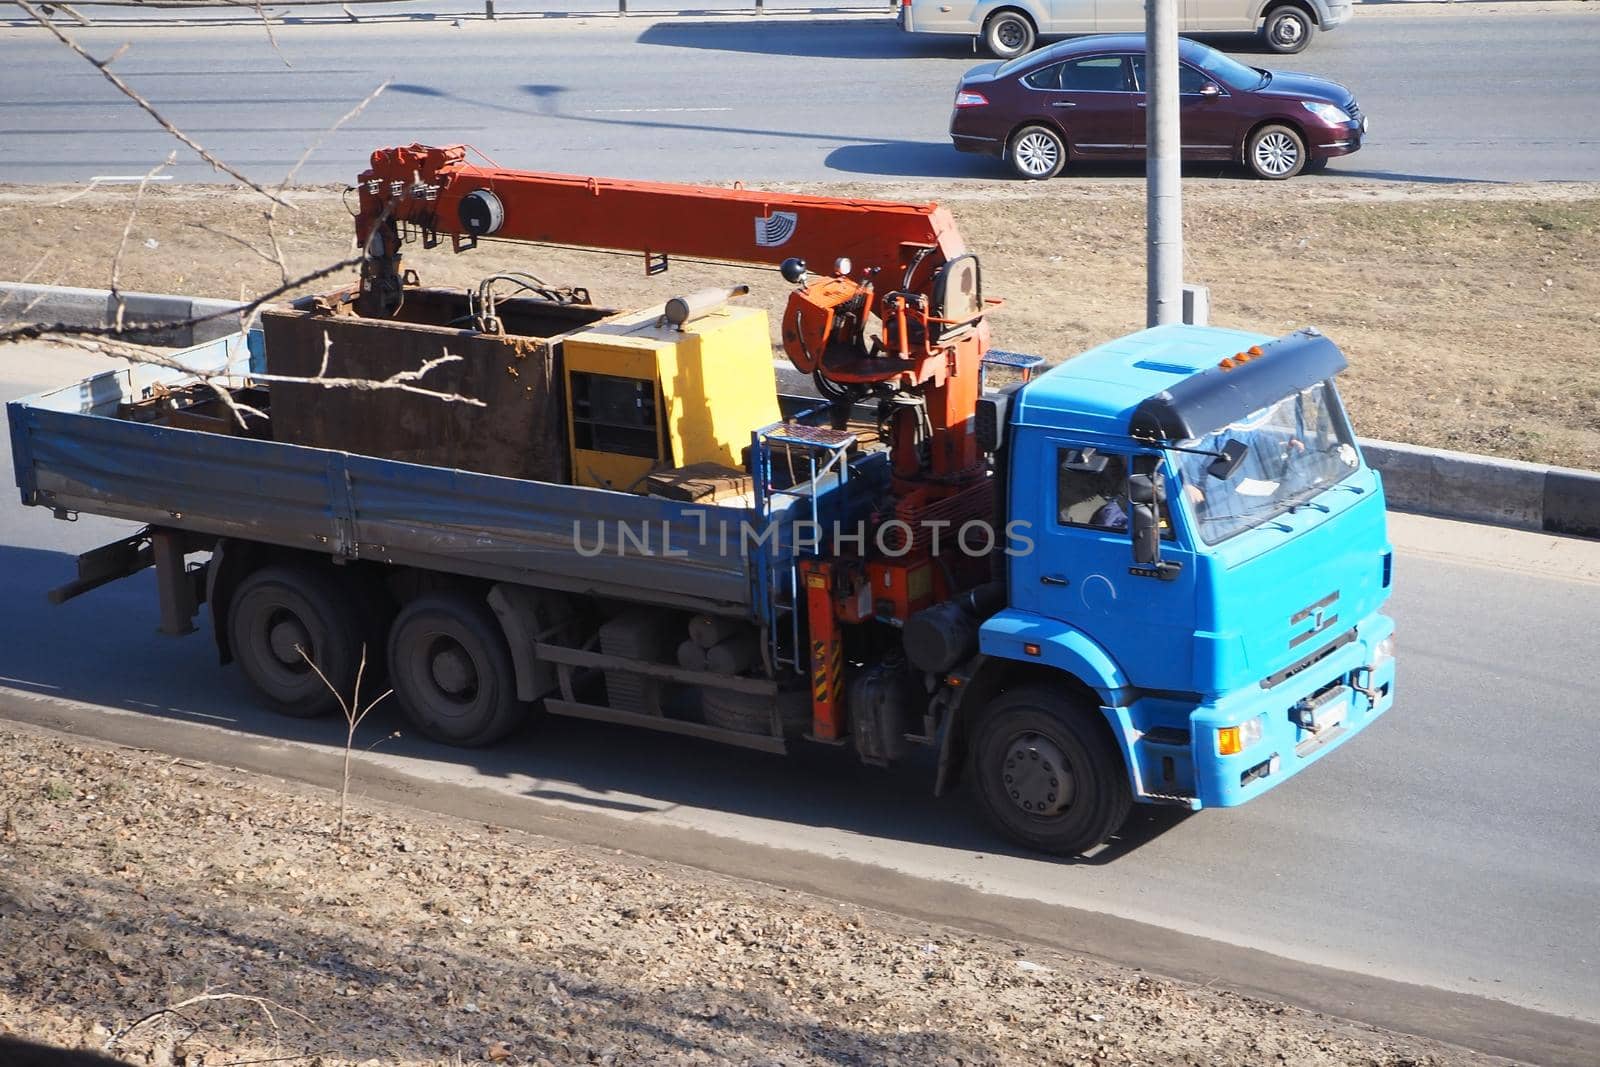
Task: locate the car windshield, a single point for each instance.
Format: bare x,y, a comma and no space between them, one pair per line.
1229,72
1294,448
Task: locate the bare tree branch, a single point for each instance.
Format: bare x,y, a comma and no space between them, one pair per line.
272,39
262,1003
272,212
354,713
240,241
59,330
399,381
103,66
122,246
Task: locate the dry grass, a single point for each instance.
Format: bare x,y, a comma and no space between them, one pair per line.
1470,313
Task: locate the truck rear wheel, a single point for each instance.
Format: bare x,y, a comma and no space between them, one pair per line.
1045,774
452,673
277,611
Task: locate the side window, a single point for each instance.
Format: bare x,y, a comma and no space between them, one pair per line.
1044,78
1097,74
1190,80
1090,489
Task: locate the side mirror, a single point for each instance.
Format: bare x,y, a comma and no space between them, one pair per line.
1210,90
1146,535
1225,465
1147,488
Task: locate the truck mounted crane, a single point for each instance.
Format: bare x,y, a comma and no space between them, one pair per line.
1175,596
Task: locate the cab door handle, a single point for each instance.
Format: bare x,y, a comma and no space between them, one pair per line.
1052,579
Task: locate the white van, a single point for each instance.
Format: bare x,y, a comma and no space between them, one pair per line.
1011,27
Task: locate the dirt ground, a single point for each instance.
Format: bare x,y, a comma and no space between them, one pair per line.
132,882
1471,313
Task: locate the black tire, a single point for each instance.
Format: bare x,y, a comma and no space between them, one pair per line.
278,608
728,710
1037,153
1045,773
452,672
1275,152
1287,30
1009,34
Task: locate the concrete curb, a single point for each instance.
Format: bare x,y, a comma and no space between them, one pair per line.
171,317
1429,481
1503,492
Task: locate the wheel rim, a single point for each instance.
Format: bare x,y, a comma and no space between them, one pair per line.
286,635
1276,153
1011,34
1037,776
1037,153
1288,31
450,673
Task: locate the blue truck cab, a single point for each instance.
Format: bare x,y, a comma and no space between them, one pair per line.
1208,561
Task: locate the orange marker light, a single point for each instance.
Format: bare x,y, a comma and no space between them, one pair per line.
1226,364
1031,649
1255,350
1228,743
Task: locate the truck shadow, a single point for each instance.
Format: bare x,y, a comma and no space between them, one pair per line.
103,649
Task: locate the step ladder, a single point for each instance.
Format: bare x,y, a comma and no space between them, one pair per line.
776,570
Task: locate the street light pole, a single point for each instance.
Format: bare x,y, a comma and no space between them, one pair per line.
1163,166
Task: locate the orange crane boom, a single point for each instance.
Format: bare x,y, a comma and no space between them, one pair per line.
903,264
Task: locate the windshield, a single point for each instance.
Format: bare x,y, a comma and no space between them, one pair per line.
1229,72
1294,448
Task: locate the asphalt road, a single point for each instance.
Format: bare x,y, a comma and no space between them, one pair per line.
1468,93
1452,846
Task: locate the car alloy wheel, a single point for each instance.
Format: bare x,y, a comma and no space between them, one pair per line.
1276,154
1038,155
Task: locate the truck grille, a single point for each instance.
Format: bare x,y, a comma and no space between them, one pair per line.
1321,615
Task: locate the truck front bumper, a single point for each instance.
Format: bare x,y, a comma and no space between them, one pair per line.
1284,727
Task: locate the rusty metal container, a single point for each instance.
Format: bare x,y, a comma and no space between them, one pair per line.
518,432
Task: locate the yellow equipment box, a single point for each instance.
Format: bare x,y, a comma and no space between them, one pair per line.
644,396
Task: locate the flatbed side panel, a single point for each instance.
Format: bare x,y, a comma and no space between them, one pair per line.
184,479
563,536
331,502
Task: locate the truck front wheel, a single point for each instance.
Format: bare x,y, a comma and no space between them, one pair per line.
279,612
1045,773
452,673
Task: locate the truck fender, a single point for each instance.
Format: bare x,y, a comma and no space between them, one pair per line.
231,561
1065,654
1011,634
528,616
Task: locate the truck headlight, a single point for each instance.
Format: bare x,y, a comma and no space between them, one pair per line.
1231,740
1333,116
1384,652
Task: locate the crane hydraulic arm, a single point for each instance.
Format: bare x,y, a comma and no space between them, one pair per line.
904,265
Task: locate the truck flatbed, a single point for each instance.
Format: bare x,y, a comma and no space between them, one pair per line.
73,454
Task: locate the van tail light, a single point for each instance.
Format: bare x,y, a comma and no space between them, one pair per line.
968,98
905,3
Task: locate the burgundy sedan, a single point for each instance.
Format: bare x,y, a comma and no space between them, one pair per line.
1084,99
